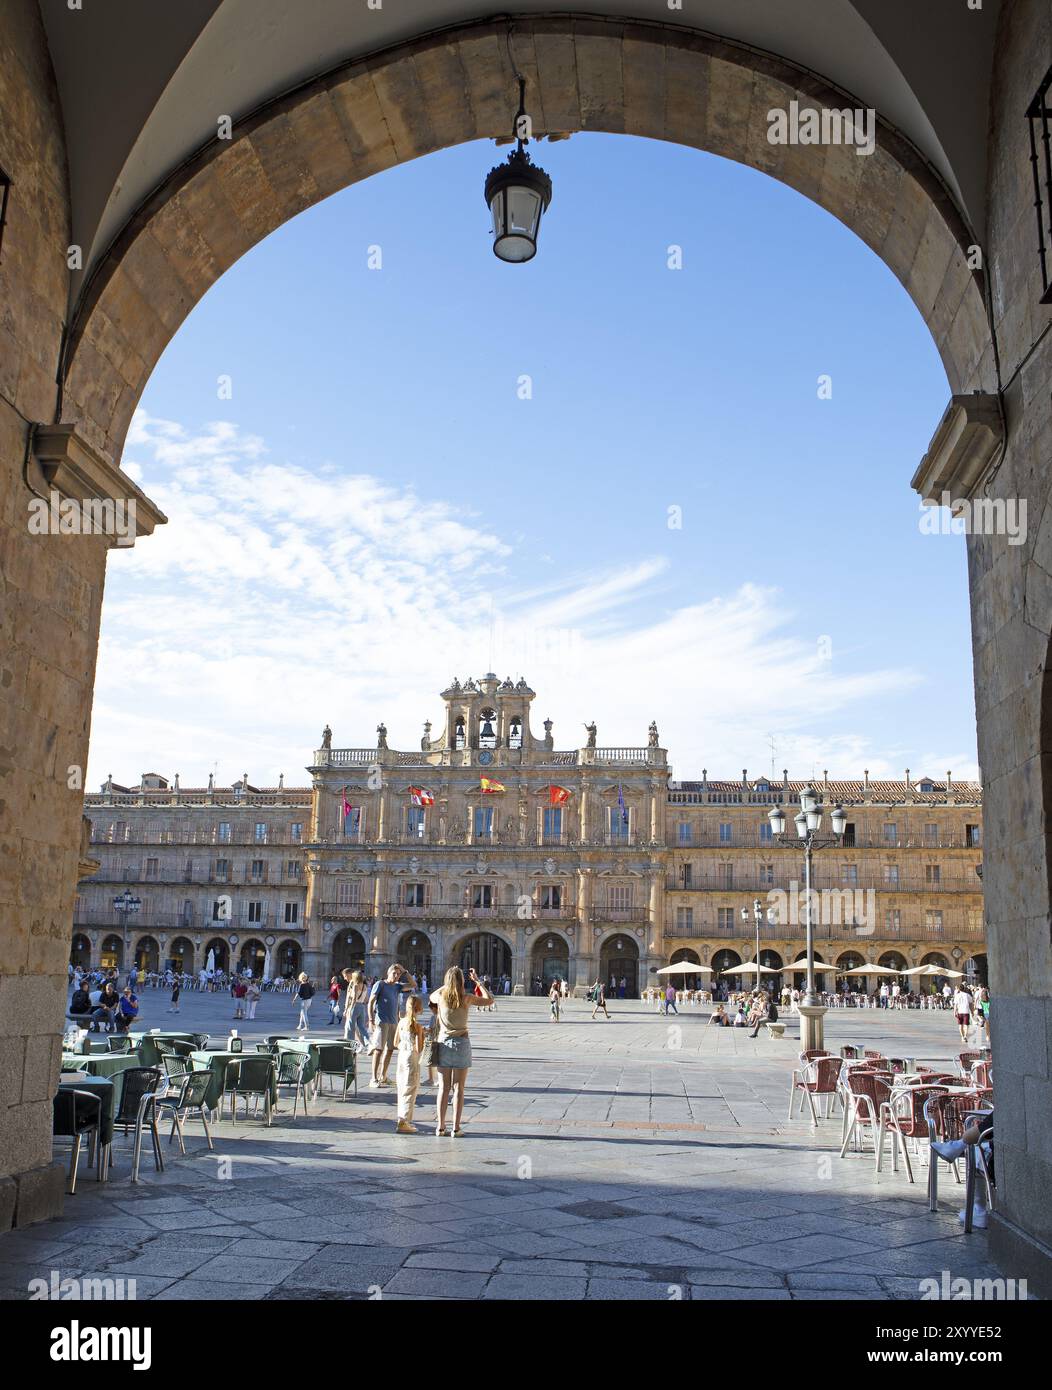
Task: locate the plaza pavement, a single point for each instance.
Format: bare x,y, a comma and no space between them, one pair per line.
601,1160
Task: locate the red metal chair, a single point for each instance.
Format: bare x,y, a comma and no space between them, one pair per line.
903,1116
966,1060
819,1077
946,1117
867,1092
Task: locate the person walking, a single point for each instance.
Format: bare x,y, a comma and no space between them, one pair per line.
305,994
239,989
385,999
176,989
334,1000
356,1008
962,1011
599,998
253,994
454,1045
670,999
407,1075
554,996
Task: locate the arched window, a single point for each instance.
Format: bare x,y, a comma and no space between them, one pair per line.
515,733
458,731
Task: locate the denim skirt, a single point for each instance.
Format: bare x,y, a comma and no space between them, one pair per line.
453,1052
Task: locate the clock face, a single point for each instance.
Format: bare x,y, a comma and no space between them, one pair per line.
485,757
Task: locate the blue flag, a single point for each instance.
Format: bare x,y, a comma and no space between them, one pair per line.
621,804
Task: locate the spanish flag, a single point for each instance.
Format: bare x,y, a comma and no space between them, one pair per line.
421,796
557,795
488,786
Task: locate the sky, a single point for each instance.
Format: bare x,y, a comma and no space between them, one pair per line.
387,458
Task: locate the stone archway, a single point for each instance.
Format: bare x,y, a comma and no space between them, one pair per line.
147,955
80,951
455,86
111,953
181,955
549,960
619,963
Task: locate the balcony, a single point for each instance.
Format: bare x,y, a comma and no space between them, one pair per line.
619,914
750,880
345,912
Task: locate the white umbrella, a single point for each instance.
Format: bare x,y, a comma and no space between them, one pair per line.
872,970
820,965
266,965
210,963
934,970
684,967
750,969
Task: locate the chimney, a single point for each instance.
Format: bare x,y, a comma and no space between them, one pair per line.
705,778
949,783
785,778
825,782
281,781
907,779
745,775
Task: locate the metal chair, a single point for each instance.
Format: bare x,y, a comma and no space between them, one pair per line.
946,1117
338,1059
192,1096
292,1067
119,1042
903,1116
175,1068
818,1077
139,1087
966,1060
976,1163
867,1092
253,1075
74,1114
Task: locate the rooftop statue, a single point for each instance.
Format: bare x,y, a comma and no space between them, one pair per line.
381,735
326,737
653,739
591,734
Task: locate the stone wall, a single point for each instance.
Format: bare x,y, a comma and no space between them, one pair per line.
1011,591
50,598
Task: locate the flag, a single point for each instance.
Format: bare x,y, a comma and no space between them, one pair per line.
488,786
421,796
557,795
350,814
621,804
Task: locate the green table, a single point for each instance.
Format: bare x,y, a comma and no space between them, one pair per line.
104,1088
216,1063
108,1065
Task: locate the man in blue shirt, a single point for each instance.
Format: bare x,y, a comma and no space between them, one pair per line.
384,1003
127,1010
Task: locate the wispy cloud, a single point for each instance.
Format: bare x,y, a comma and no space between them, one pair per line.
283,596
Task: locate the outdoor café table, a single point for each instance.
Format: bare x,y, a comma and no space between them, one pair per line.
216,1063
104,1088
102,1064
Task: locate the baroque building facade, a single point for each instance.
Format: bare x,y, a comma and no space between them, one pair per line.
489,847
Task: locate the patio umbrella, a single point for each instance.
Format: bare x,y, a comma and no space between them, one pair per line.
872,970
210,963
266,965
750,969
801,964
684,967
934,970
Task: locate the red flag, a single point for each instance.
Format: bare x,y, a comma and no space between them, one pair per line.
421,796
557,795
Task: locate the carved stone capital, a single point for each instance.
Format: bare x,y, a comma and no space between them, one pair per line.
63,468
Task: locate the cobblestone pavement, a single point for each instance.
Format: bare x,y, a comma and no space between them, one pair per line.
605,1160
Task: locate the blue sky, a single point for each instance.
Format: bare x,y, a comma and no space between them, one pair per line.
375,508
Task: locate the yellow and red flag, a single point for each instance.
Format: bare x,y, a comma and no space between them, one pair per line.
421,796
557,795
489,786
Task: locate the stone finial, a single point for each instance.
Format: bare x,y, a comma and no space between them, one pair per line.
949,781
281,781
211,782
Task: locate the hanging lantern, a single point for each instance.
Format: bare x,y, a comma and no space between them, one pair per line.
517,194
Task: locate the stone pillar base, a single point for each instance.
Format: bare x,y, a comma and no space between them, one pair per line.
812,1026
38,1194
1019,1256
519,990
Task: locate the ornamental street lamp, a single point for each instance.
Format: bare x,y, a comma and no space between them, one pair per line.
808,822
124,904
517,195
757,912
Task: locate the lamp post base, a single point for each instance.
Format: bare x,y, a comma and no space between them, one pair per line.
812,1026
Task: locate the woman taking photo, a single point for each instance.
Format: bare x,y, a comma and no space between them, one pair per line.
453,1049
356,1008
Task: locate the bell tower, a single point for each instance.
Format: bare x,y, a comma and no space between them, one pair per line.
489,715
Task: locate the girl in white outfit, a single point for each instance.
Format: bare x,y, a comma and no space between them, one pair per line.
409,1040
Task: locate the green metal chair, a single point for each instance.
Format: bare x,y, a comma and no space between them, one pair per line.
252,1075
192,1095
292,1068
338,1059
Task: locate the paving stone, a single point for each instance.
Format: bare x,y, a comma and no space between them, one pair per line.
188,1289
454,1259
515,1287
440,1283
